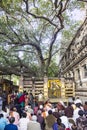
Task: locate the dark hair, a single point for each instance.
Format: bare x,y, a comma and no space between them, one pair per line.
24,114
11,120
1,115
73,98
58,121
78,105
50,112
85,102
81,112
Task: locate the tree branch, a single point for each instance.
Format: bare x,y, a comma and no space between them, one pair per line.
36,16
12,29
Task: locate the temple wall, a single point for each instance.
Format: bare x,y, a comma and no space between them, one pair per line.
74,61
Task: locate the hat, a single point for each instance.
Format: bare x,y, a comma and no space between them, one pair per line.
62,103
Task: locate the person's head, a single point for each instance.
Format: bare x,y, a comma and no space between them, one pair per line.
85,102
81,113
73,98
34,118
11,120
50,112
1,115
77,98
39,112
24,115
14,109
69,103
78,105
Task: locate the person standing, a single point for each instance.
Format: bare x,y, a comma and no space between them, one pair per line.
40,97
41,120
4,99
69,110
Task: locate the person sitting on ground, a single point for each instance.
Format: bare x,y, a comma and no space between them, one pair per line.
47,105
41,119
85,106
69,110
50,120
81,121
61,106
75,112
23,122
28,110
64,119
33,124
55,112
72,124
11,126
61,126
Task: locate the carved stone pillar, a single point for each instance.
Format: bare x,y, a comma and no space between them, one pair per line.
74,79
63,88
80,75
45,87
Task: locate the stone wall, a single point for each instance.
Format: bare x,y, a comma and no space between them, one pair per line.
74,61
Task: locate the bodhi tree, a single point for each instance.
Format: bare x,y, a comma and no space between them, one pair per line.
29,35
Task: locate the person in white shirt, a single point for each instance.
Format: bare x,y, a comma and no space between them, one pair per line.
64,119
40,97
23,122
75,112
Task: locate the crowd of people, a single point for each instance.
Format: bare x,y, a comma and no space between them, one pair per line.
22,111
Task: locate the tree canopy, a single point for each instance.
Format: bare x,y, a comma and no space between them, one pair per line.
29,35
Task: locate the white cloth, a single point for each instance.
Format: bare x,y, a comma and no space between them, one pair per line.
65,121
33,125
4,113
34,118
23,122
40,97
77,101
75,114
29,109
